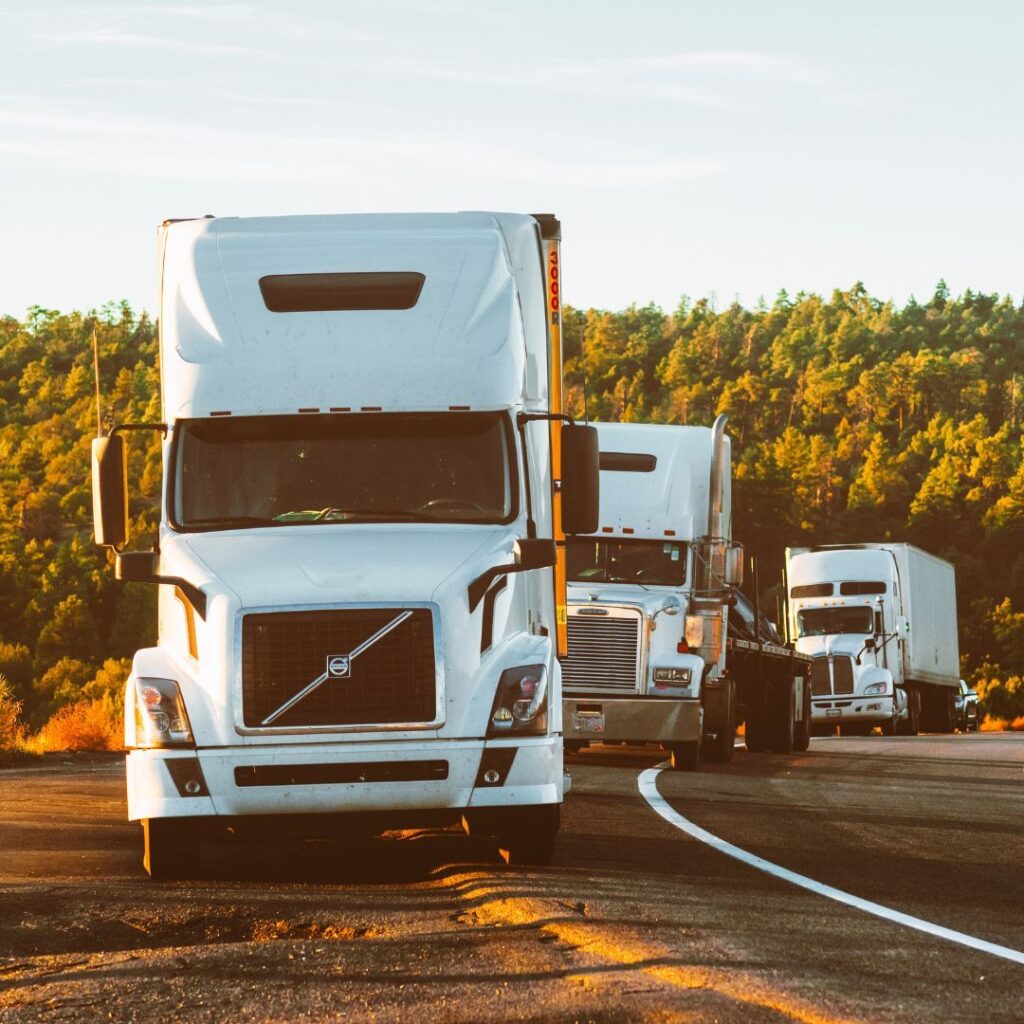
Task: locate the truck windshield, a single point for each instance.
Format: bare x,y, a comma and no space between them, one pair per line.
375,467
626,561
819,621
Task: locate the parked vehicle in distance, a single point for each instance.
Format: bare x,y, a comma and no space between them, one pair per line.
663,647
966,712
367,475
879,623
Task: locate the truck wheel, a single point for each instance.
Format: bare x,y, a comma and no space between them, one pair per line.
889,728
530,835
802,730
170,848
755,733
684,757
945,713
912,723
782,714
722,745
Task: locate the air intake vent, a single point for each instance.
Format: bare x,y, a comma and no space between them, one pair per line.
376,667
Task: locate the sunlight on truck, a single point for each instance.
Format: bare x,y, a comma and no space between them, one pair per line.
663,647
367,483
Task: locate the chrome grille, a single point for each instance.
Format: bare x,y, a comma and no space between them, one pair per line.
604,652
839,680
842,674
392,681
820,682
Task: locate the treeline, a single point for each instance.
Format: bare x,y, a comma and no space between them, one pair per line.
851,419
67,629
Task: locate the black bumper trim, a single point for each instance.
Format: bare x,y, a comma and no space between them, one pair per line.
328,774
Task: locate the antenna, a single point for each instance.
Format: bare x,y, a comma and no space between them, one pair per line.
583,374
96,378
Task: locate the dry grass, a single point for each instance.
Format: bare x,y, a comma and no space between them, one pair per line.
84,725
1002,724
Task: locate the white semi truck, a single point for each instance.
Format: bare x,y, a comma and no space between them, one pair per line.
360,559
879,624
663,647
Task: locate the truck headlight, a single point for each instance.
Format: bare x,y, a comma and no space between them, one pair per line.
673,676
876,688
160,717
520,705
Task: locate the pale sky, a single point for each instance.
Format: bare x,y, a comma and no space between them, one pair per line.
725,148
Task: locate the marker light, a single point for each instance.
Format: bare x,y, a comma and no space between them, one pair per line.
160,717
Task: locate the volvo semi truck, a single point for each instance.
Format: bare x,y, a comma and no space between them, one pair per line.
663,645
360,559
879,624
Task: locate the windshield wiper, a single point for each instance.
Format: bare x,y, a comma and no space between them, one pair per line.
375,513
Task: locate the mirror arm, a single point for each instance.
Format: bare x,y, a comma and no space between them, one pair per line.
120,427
196,597
523,418
480,585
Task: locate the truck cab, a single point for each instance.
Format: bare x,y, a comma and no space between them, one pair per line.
647,610
357,559
844,614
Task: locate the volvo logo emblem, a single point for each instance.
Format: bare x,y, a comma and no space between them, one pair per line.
338,666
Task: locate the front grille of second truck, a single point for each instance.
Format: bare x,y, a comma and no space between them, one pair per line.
389,680
604,653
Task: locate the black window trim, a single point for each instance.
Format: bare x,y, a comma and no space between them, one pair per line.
607,537
510,446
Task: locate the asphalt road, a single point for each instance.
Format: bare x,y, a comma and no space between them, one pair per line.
635,921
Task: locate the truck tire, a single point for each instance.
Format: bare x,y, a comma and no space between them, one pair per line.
720,747
911,725
530,835
782,716
802,730
684,757
945,713
170,848
755,732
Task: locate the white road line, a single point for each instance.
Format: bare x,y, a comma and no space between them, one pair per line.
647,784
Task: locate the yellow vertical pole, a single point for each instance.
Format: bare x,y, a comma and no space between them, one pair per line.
552,236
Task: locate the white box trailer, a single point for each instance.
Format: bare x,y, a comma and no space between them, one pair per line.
931,652
879,622
360,554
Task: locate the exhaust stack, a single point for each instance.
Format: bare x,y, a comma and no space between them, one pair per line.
717,526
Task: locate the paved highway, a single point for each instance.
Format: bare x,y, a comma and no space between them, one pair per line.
637,920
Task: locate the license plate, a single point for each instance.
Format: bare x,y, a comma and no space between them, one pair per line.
832,712
589,721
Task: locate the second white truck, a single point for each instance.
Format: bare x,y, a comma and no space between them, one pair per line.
663,647
879,623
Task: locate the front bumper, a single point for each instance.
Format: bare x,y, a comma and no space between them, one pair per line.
242,781
877,709
643,719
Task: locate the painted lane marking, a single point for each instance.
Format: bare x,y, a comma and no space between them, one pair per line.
647,784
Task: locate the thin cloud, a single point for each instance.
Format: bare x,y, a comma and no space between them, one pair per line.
112,37
169,149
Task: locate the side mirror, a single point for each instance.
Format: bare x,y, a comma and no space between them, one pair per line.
109,491
734,565
580,479
534,554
